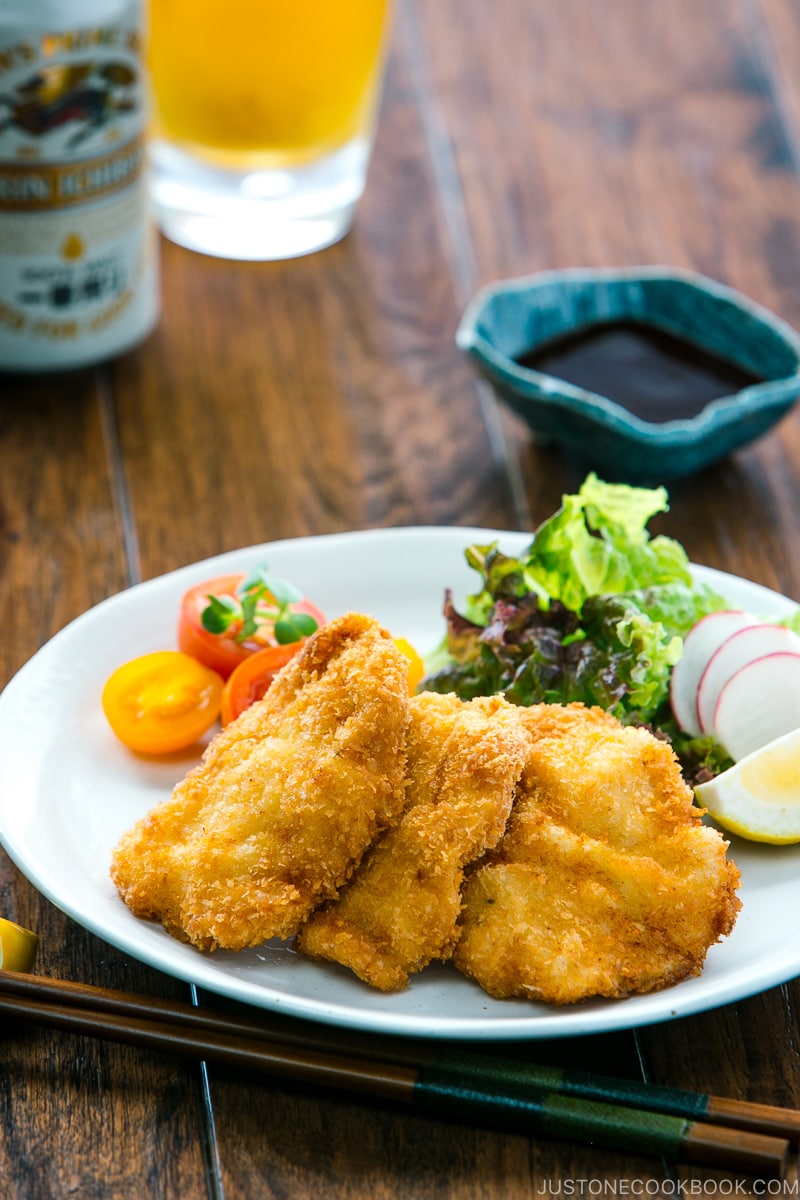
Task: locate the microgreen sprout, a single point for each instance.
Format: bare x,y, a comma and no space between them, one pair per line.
260,599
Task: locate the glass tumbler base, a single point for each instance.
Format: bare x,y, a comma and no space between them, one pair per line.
257,214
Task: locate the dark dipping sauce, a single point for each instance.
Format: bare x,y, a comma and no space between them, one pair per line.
651,373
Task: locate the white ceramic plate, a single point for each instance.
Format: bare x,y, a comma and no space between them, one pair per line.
68,790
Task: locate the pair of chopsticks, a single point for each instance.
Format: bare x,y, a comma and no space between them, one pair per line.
446,1082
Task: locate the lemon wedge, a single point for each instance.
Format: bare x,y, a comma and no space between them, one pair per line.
17,947
759,797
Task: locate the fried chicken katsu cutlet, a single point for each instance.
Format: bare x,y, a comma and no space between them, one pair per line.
285,801
606,882
401,907
554,853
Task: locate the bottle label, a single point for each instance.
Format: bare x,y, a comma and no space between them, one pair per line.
77,247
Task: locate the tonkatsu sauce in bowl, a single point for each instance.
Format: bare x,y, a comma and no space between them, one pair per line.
650,374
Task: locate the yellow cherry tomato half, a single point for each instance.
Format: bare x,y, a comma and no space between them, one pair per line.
17,947
416,667
162,702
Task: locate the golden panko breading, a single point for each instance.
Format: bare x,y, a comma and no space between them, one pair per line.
400,909
606,882
285,801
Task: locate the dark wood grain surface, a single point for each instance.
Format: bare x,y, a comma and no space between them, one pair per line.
327,394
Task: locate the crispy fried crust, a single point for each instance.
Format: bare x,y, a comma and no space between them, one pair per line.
606,882
401,907
285,801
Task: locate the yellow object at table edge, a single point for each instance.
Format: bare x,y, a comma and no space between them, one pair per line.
18,947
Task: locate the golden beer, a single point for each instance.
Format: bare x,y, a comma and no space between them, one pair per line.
264,83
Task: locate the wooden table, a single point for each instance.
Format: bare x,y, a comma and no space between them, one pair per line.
326,394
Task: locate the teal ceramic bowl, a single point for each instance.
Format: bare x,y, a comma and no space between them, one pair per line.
513,318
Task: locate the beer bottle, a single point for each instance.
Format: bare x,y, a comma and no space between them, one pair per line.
78,263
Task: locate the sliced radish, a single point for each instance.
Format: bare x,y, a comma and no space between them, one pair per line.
759,703
699,644
742,647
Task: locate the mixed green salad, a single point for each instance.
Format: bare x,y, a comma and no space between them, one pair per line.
594,610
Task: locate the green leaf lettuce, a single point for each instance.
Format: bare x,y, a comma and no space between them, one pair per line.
594,610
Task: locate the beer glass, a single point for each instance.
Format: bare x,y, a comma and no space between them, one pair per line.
263,119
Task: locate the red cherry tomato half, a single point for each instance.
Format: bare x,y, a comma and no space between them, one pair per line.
222,651
252,677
